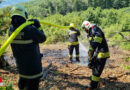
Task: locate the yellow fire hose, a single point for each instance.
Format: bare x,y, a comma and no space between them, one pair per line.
58,26
18,30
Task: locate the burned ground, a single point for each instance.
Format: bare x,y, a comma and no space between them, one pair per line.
63,75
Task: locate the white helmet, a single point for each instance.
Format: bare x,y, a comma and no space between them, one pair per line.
85,25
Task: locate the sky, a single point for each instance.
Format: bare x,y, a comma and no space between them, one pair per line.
10,2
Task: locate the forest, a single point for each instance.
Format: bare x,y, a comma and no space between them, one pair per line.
63,7
110,16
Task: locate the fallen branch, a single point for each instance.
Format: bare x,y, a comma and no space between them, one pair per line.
45,71
122,35
75,69
76,74
125,31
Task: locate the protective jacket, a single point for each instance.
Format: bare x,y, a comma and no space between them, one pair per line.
26,51
73,36
98,42
73,43
99,49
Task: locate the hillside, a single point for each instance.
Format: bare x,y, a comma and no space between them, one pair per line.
49,7
111,21
112,16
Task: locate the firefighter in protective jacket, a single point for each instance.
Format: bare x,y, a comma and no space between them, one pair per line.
26,50
98,52
73,42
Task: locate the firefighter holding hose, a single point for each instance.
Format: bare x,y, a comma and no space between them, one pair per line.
26,50
73,42
98,52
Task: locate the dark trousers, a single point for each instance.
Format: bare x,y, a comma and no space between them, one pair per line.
71,49
97,70
28,84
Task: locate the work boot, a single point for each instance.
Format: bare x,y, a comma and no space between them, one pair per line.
89,87
93,85
77,60
71,61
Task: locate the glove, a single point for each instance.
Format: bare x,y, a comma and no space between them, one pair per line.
91,64
68,46
36,23
90,54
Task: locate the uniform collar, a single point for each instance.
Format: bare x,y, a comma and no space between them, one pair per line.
91,26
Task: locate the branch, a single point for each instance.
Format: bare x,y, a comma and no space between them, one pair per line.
125,31
123,35
46,71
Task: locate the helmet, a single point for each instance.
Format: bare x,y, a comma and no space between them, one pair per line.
20,11
85,25
72,25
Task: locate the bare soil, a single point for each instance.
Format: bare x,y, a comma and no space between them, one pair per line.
66,76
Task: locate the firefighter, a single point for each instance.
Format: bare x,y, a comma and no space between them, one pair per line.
98,52
73,42
26,50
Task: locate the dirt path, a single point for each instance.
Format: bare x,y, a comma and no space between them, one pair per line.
65,76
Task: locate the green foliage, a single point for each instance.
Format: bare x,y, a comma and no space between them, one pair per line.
7,87
109,20
49,7
127,59
63,12
4,21
127,67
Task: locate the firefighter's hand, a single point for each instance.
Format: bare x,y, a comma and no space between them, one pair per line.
90,54
68,46
36,22
91,65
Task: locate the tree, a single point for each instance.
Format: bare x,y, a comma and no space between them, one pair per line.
89,3
117,4
125,3
109,3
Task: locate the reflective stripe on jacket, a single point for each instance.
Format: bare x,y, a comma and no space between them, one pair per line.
26,51
98,42
73,35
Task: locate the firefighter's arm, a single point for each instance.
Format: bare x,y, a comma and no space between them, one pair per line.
97,39
37,32
36,23
38,35
78,32
94,43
